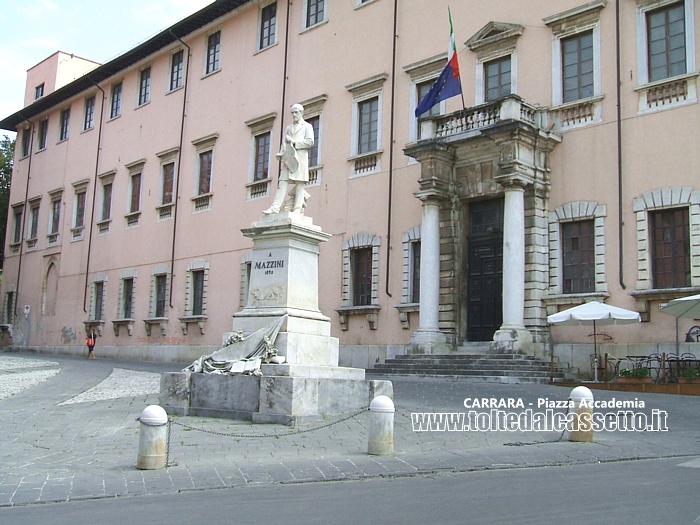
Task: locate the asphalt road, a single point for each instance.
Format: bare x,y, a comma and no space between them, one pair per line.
624,493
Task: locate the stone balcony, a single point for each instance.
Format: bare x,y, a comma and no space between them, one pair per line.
481,119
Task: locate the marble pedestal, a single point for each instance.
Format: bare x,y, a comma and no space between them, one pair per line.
310,384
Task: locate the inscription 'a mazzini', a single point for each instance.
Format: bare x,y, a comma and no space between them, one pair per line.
266,265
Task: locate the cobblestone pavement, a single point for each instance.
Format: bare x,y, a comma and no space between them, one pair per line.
68,431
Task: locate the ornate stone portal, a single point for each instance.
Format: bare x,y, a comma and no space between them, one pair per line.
309,383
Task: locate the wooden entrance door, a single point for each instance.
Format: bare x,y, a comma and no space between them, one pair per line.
485,270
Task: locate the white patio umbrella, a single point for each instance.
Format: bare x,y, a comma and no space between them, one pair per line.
594,313
687,307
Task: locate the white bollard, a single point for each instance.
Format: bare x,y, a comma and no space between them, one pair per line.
152,438
381,426
582,407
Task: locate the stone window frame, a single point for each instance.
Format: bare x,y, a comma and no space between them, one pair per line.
134,168
313,107
202,201
572,212
210,67
660,199
367,163
122,320
79,188
669,92
165,210
409,239
492,42
586,111
103,223
32,233
93,321
190,317
258,189
161,322
16,236
55,198
420,72
360,240
48,309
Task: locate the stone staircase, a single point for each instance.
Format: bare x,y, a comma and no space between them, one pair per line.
491,368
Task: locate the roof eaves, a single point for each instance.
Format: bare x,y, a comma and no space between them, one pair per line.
159,41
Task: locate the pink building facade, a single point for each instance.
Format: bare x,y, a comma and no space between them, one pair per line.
565,173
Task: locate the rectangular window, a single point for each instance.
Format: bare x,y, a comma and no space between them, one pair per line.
578,249
666,42
43,133
368,125
79,220
26,139
127,297
39,91
89,120
161,286
116,105
415,272
145,86
17,231
99,288
670,247
167,189
135,200
205,165
577,63
9,307
262,156
497,78
213,52
33,222
268,25
198,292
361,265
314,154
106,202
65,121
315,12
55,216
177,69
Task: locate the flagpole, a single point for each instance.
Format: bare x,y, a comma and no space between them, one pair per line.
459,75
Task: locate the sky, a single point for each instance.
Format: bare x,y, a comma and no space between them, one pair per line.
98,30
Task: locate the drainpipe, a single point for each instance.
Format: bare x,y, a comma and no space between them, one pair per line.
394,37
619,148
94,195
24,214
284,84
176,197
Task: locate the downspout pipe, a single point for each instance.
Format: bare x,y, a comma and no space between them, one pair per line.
24,214
394,38
284,84
94,195
620,222
176,196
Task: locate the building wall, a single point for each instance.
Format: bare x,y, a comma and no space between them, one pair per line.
333,63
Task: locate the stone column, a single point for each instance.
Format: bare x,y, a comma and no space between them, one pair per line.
513,335
430,268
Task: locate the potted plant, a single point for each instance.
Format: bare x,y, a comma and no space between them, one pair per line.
634,375
689,375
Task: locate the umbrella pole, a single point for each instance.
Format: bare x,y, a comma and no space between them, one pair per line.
595,354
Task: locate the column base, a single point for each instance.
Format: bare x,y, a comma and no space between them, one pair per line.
428,342
512,340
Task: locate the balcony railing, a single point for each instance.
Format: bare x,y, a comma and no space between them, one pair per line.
483,116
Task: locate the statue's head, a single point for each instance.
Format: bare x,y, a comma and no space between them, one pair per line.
297,108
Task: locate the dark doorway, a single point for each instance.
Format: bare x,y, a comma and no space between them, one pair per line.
485,271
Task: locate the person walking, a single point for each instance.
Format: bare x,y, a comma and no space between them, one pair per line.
90,341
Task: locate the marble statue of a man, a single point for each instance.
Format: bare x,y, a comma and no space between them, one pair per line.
294,156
